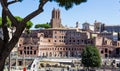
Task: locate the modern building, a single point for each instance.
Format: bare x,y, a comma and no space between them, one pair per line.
101,27
112,28
111,32
110,35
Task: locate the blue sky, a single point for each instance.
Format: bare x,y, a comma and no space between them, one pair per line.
106,11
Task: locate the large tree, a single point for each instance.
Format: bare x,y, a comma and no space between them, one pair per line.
91,57
7,44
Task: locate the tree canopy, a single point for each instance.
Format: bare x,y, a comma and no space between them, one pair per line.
46,25
91,57
68,3
65,3
29,24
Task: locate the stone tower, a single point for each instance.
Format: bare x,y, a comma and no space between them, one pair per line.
97,26
56,20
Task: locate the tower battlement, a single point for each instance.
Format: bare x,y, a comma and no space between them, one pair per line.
55,19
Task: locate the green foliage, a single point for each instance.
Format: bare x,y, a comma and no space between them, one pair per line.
42,25
91,57
9,23
68,3
29,24
20,0
27,31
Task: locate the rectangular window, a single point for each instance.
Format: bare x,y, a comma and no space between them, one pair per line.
31,52
27,47
106,50
24,52
31,48
34,52
20,63
73,40
28,52
21,52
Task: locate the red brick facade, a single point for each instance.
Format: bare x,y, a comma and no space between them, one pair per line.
64,42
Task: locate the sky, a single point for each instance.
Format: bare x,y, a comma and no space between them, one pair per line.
105,11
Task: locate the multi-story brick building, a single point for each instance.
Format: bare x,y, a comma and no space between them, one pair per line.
28,44
59,41
107,47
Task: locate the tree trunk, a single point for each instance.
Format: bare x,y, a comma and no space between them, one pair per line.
2,63
2,67
3,57
5,45
5,39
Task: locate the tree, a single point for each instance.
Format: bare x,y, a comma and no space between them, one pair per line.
91,57
46,25
9,23
7,44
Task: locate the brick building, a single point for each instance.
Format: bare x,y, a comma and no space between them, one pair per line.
28,44
61,42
